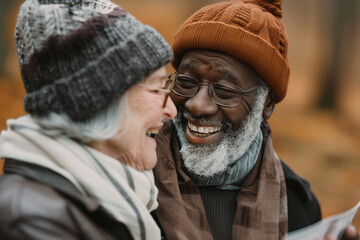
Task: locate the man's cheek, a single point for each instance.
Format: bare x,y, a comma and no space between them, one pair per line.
235,116
178,100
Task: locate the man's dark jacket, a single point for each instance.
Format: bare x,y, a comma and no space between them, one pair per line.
303,207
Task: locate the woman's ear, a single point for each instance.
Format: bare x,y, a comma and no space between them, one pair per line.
269,106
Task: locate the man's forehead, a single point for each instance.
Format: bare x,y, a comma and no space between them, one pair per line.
229,66
191,58
195,53
188,64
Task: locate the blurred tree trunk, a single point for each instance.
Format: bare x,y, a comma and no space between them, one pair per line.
5,6
1,165
343,25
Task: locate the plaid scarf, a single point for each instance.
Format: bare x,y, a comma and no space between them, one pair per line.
261,211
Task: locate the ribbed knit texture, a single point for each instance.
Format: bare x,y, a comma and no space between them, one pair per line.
220,208
251,31
78,55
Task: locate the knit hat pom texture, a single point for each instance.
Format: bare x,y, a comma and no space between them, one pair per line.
250,31
76,56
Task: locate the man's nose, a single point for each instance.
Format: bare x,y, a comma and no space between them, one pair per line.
201,104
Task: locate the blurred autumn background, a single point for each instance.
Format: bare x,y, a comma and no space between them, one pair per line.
316,129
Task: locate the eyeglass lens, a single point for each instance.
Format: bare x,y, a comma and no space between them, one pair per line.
222,93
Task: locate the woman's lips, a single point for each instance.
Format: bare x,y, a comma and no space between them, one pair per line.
202,134
151,132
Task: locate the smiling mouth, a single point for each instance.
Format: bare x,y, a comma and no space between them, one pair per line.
203,131
152,132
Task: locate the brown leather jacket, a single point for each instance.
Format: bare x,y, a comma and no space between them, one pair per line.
37,203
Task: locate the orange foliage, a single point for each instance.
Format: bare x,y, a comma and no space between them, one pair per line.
1,165
11,100
323,147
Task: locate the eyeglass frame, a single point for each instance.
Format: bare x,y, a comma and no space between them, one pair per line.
166,90
209,91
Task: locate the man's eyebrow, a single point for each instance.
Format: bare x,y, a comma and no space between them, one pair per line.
186,65
227,74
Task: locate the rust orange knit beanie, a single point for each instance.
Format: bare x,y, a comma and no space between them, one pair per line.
251,31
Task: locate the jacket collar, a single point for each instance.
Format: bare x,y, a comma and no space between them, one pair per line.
295,181
179,195
292,179
52,179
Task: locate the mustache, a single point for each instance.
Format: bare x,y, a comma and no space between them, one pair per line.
203,120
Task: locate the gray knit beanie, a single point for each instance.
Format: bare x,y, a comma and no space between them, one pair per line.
76,56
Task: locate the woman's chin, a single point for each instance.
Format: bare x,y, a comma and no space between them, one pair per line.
148,154
149,162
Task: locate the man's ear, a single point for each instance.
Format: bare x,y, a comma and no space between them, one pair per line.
269,106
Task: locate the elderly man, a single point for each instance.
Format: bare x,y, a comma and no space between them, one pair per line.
218,174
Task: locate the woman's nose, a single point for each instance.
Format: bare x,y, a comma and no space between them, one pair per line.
170,109
201,104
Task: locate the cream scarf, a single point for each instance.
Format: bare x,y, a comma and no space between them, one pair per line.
127,194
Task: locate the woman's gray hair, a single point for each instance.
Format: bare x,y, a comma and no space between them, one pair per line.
102,126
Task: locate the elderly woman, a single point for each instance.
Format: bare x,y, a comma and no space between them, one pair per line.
79,165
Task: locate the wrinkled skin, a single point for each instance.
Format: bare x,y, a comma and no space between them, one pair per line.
209,66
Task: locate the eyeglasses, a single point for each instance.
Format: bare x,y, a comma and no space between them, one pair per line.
165,90
222,93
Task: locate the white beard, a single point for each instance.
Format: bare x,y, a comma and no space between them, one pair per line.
208,160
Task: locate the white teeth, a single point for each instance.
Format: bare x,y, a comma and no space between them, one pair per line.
203,129
152,131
